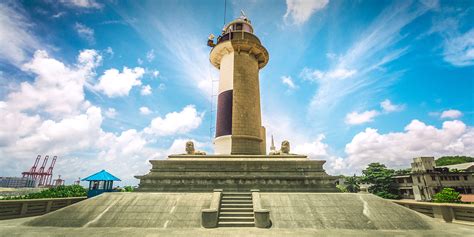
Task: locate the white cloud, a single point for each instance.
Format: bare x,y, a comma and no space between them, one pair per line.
82,3
58,89
315,75
129,143
179,146
176,122
388,107
109,51
459,49
364,60
59,14
111,113
85,32
16,35
315,150
146,90
288,81
114,83
189,55
354,118
150,55
139,61
299,11
156,73
397,149
145,110
451,114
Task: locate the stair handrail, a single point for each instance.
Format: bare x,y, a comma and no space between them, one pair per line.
262,216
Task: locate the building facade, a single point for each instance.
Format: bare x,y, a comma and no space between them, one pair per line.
425,179
18,182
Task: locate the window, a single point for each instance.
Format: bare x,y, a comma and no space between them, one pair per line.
419,180
457,177
433,178
465,177
238,26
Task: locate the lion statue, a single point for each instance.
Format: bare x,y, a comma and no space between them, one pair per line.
191,151
285,149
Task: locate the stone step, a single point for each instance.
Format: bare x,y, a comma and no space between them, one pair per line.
237,201
235,219
246,214
237,205
236,194
236,209
236,224
236,198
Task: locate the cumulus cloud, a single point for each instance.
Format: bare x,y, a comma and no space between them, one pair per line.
451,114
145,110
355,118
288,81
114,83
146,90
388,107
155,73
58,88
128,143
397,149
85,32
299,11
16,35
176,122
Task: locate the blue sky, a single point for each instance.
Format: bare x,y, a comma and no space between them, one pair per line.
112,84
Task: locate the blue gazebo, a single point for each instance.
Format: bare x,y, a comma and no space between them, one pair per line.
100,182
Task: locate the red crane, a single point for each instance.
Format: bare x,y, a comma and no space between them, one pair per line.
49,173
41,173
32,172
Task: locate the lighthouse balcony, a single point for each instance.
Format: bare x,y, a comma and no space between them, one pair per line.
238,35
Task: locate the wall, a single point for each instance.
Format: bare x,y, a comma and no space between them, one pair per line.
449,212
10,209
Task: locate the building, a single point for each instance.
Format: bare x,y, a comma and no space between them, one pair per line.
425,179
18,182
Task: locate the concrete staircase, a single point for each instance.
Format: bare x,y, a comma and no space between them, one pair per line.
236,210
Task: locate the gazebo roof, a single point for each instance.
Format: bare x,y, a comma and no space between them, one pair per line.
101,176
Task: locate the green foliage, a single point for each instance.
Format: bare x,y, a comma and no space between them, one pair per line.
447,195
352,184
342,188
55,192
381,179
403,171
127,189
453,160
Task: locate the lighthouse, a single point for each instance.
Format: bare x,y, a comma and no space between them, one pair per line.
239,55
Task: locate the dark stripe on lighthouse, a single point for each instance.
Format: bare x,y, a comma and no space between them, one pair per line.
224,114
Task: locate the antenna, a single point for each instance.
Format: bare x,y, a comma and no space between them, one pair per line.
225,10
243,13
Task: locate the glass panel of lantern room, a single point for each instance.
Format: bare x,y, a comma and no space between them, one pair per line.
247,28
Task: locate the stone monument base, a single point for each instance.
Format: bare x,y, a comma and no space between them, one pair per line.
185,173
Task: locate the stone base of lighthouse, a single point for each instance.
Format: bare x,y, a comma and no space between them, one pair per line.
183,173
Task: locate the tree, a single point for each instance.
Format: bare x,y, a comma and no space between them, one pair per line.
352,184
453,160
341,188
381,180
447,195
